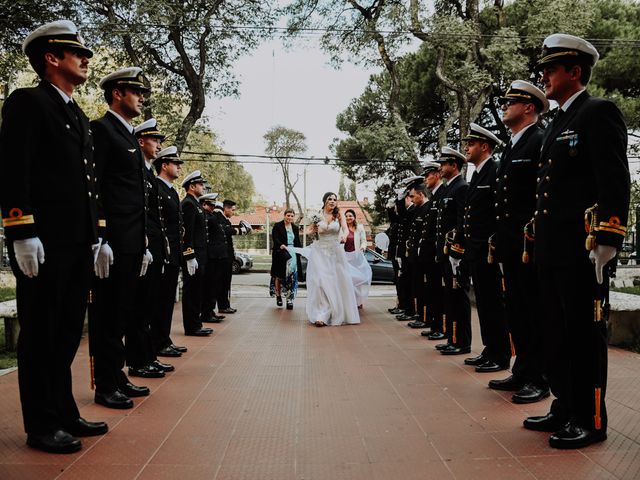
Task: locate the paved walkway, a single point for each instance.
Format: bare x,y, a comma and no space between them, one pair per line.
271,397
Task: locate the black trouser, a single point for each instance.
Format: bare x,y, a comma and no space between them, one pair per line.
397,283
224,293
457,307
149,313
51,311
192,293
419,290
113,316
522,307
405,279
434,296
575,345
493,324
214,286
166,299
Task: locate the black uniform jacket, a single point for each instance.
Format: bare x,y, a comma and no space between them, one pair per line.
279,257
583,162
515,193
46,159
156,236
121,185
195,231
415,228
172,217
405,216
427,246
450,212
479,218
392,233
217,239
229,231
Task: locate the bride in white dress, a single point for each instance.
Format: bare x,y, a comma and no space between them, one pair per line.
331,297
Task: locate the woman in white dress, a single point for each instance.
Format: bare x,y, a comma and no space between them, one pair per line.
355,246
331,297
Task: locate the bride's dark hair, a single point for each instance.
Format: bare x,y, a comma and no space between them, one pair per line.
336,210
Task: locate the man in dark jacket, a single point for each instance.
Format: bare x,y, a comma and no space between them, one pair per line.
123,257
150,140
457,307
471,244
168,165
194,256
515,200
217,251
43,126
228,210
583,166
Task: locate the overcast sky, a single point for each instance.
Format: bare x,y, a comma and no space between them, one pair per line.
296,89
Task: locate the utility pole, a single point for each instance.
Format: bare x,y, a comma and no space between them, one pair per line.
304,207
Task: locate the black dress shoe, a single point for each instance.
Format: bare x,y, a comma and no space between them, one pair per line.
82,428
545,423
219,317
179,349
131,390
289,305
574,436
227,310
114,399
417,324
395,311
444,346
509,384
168,352
279,301
436,336
165,367
203,332
453,350
490,366
404,317
56,442
475,361
530,393
149,371
211,318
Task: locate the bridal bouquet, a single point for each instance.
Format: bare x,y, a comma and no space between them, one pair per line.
316,218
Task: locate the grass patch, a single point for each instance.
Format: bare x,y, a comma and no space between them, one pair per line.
7,359
635,290
7,293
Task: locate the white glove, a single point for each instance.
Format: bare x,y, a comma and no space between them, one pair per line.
104,261
399,260
95,249
501,265
29,255
243,231
600,256
455,263
401,193
147,259
192,266
391,203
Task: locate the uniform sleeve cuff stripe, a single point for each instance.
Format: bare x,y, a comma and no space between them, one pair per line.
13,221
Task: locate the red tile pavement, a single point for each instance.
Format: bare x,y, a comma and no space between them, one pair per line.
271,397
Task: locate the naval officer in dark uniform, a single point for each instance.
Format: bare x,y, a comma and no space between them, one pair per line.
168,165
45,141
471,243
194,256
515,200
150,141
123,256
583,166
457,307
406,211
427,256
217,252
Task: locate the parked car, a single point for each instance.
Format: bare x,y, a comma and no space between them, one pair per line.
242,262
381,268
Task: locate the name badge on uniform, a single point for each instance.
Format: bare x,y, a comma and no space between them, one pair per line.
521,160
483,186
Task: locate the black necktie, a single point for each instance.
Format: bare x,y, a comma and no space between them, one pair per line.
474,176
75,111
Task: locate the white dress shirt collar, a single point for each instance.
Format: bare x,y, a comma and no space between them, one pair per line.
126,124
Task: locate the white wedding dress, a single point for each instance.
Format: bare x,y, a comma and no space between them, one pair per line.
331,296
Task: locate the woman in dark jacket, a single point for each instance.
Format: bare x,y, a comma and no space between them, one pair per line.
284,263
